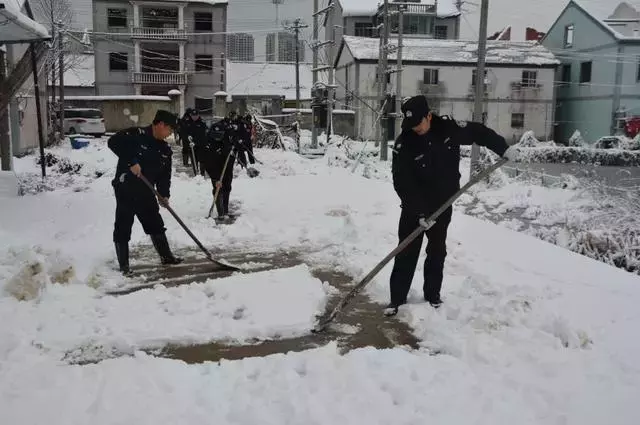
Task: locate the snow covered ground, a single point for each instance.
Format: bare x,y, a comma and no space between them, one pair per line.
530,333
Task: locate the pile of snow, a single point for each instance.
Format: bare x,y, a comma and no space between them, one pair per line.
74,321
65,168
25,274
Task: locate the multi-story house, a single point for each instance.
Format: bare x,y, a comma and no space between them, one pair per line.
438,19
519,82
149,48
598,83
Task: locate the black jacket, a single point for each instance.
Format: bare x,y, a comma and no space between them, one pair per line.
196,129
426,168
225,134
137,145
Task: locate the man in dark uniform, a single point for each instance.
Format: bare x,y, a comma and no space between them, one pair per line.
142,151
226,140
192,130
425,168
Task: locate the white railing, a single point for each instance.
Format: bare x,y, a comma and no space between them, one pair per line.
159,33
160,78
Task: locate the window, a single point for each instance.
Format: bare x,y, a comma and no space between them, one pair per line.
568,36
474,74
529,78
418,24
117,18
517,120
566,73
222,79
638,71
203,22
430,77
585,72
118,61
441,32
203,105
363,29
204,63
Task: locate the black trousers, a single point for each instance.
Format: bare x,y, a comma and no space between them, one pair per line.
136,201
214,166
406,261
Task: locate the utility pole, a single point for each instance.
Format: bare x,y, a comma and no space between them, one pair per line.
61,71
478,108
297,26
398,115
384,74
314,72
330,90
316,44
52,64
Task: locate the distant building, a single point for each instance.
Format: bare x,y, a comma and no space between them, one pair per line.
240,47
286,47
153,47
519,82
598,82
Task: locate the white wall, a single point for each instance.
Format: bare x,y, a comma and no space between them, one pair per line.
454,96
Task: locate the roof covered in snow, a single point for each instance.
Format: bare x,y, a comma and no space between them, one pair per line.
81,72
16,26
455,51
445,8
267,79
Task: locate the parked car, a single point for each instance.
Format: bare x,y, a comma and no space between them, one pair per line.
84,121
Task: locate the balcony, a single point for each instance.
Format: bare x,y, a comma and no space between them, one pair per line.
410,8
168,34
161,78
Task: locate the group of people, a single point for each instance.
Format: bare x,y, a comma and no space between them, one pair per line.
145,152
425,169
216,149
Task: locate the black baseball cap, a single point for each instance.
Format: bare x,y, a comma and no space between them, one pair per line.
413,110
166,117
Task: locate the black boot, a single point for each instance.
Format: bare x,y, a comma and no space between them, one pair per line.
220,204
162,247
225,203
122,252
185,159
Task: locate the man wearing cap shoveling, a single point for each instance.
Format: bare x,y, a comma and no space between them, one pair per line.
425,168
142,151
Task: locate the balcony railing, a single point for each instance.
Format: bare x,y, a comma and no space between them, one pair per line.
158,33
161,78
410,8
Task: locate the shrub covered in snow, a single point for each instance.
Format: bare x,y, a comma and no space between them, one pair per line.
576,140
529,140
614,157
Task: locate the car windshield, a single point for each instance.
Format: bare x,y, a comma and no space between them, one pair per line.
82,113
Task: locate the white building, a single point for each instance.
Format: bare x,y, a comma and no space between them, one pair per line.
519,82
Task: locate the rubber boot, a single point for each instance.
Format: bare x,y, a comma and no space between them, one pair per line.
122,252
162,247
225,204
185,159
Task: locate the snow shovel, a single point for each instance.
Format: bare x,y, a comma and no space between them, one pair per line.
193,157
225,266
323,323
215,196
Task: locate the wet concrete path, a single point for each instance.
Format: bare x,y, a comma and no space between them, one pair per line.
361,325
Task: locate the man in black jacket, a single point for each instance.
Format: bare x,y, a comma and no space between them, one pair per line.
226,140
142,151
425,167
192,130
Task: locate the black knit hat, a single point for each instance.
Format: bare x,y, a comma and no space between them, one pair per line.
166,117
